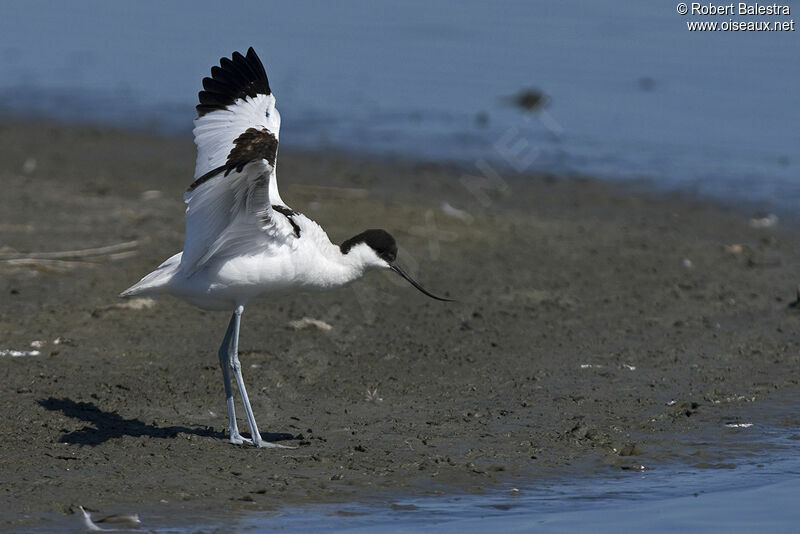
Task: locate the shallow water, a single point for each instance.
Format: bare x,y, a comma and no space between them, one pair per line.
759,494
683,501
631,92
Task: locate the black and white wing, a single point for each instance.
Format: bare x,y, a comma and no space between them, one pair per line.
230,203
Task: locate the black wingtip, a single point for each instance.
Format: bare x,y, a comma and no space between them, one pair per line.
236,77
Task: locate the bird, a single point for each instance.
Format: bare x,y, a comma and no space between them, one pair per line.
243,243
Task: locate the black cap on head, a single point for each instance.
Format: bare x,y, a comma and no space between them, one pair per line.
385,247
380,241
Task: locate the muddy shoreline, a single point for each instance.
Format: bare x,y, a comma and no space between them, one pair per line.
596,328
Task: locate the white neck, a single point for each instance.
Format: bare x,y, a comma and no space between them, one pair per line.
341,269
330,268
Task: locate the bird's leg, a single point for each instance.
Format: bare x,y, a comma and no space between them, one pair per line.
224,363
237,372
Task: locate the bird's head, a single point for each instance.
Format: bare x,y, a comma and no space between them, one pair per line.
378,249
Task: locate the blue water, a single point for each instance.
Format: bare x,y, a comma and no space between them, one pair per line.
632,93
672,501
757,492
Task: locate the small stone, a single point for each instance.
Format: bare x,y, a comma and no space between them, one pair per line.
29,166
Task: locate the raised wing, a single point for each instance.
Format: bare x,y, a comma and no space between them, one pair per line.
236,132
236,98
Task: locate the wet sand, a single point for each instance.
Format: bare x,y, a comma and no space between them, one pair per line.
598,328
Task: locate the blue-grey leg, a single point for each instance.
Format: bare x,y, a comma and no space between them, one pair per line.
237,372
224,363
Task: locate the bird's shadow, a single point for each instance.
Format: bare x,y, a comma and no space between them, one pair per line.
109,425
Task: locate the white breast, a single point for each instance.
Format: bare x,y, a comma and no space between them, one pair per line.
310,262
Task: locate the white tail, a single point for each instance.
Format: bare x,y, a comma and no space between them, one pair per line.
154,282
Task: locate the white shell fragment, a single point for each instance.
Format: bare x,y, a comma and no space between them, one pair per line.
19,353
767,221
372,396
308,322
126,521
456,213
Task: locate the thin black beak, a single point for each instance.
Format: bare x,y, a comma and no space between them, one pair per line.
413,282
